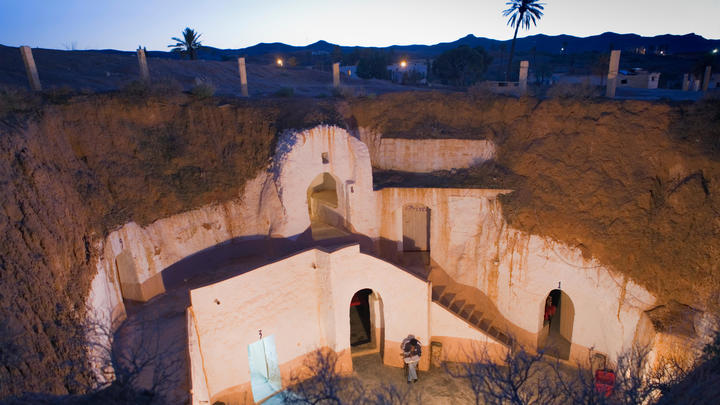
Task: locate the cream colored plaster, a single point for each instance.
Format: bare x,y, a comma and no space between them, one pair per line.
428,155
105,312
298,161
445,323
471,241
304,302
198,385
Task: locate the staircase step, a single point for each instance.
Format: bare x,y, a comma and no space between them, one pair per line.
503,338
457,306
493,331
484,324
437,292
476,317
467,310
447,299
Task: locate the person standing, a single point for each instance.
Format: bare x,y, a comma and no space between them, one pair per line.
412,350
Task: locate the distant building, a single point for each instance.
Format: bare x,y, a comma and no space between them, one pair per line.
638,78
589,79
714,81
349,71
412,72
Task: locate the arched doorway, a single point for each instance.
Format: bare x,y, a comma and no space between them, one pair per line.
367,323
558,317
416,235
325,208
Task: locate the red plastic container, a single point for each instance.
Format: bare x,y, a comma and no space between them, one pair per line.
604,382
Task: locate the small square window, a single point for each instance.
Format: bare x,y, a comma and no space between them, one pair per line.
325,158
623,81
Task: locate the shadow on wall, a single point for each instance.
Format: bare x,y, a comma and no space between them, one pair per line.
166,312
218,262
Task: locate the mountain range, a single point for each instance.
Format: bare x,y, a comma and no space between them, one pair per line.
670,44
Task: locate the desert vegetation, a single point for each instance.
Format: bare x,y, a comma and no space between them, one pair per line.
188,44
522,13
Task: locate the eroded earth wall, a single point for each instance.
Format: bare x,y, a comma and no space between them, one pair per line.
74,171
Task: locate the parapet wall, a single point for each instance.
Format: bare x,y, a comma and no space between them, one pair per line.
428,155
424,155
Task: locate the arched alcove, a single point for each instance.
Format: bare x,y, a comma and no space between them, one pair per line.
325,208
558,317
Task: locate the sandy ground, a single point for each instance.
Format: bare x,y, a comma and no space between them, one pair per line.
433,387
100,72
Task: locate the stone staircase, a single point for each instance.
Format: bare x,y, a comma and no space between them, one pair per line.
474,307
468,312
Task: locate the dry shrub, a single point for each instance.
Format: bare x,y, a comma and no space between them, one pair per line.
577,91
161,88
17,100
203,89
348,92
285,92
479,91
58,94
321,380
711,95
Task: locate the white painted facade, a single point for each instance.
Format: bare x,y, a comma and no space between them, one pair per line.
304,301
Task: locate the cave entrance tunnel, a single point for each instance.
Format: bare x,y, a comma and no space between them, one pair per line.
367,323
325,208
416,236
558,316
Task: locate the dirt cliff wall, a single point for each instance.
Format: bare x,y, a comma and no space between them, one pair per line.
633,184
74,170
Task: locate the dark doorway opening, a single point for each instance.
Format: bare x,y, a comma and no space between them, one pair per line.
360,323
558,317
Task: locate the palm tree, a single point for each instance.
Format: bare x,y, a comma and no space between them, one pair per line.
521,12
188,45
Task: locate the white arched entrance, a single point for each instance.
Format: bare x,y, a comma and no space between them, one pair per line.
325,207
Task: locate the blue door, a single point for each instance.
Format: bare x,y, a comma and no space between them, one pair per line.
264,369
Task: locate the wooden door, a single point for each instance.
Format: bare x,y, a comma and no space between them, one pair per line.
416,228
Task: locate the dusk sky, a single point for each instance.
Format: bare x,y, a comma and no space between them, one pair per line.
100,24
